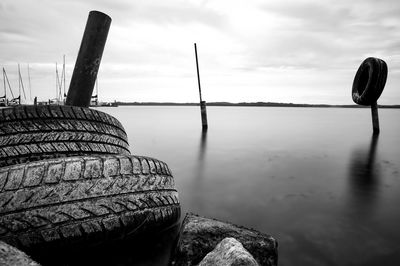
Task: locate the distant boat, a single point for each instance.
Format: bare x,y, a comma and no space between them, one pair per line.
60,86
94,101
55,102
30,101
108,104
6,83
15,101
3,99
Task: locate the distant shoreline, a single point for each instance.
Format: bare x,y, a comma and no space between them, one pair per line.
250,104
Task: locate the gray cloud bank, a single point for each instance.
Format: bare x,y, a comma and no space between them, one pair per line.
298,51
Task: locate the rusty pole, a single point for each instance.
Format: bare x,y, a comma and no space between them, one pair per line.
88,60
203,109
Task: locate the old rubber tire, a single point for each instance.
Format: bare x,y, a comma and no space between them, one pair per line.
85,200
369,81
32,133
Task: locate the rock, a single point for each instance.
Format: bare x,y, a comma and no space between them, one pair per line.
229,252
200,235
12,256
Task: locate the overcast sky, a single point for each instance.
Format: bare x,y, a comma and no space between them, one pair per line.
300,51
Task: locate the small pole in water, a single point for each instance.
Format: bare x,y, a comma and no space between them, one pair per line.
203,109
88,60
375,118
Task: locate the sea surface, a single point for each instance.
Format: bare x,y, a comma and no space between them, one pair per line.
314,178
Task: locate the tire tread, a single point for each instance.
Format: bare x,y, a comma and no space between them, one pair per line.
88,198
31,133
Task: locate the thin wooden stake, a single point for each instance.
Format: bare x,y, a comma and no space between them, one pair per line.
203,108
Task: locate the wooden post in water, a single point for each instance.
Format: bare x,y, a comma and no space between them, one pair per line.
375,118
203,109
88,60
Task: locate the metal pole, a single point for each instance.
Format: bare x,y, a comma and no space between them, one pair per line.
88,60
375,117
203,108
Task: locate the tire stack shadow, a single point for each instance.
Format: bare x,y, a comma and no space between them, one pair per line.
72,194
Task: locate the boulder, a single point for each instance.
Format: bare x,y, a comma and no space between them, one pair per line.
13,256
200,235
229,252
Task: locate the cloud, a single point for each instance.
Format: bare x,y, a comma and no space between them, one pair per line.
312,15
152,11
283,50
333,33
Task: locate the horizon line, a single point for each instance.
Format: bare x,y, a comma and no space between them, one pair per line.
261,104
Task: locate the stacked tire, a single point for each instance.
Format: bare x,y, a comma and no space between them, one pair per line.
67,178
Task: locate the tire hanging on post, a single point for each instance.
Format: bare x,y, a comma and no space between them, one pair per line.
369,81
368,85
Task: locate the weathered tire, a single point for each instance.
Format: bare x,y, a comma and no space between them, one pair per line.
369,81
32,133
85,200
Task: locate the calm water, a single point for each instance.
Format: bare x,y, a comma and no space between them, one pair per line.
314,178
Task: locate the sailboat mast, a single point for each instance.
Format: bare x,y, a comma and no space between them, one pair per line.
30,87
57,84
56,80
8,82
22,84
64,73
4,81
19,81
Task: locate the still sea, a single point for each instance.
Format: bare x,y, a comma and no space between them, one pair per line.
314,178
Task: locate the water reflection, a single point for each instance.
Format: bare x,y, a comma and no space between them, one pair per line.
364,175
203,145
199,177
